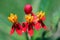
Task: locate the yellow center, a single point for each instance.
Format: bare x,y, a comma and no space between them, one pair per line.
29,18
40,15
12,18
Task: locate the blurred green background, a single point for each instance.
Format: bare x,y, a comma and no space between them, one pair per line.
52,11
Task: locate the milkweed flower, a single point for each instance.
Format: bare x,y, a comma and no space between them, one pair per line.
28,25
16,25
41,18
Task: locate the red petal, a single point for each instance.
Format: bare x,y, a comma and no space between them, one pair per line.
24,29
25,26
37,26
12,30
19,25
45,27
31,32
19,31
43,18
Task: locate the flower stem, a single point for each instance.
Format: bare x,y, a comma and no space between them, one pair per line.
28,37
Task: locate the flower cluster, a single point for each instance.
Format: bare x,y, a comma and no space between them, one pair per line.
32,21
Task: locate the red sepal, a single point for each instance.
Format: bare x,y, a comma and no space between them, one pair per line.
31,32
37,25
12,30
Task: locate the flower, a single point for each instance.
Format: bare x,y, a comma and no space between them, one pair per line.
28,25
41,18
16,25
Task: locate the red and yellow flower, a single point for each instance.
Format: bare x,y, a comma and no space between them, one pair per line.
28,25
16,25
41,18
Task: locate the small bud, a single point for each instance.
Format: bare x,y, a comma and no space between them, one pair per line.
28,9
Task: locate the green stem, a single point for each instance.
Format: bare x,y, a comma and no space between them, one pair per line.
28,37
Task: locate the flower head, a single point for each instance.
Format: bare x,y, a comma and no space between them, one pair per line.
41,18
28,25
16,25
